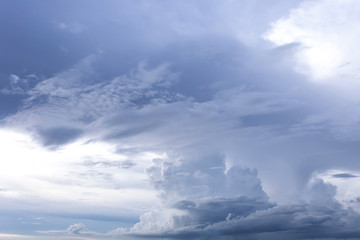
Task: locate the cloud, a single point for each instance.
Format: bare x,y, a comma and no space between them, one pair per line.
198,192
347,186
209,99
20,85
74,27
322,35
344,175
60,182
76,228
14,79
73,229
230,218
116,164
69,99
203,176
58,135
325,31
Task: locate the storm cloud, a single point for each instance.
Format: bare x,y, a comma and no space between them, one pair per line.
179,120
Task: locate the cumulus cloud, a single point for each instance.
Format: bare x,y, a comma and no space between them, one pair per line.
203,176
320,216
76,228
198,192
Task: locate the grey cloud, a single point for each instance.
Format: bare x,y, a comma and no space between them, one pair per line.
344,175
187,122
198,192
76,228
132,130
91,174
321,218
198,93
338,123
66,83
321,192
283,118
216,209
58,135
20,85
138,109
85,99
73,229
117,164
294,222
201,176
70,99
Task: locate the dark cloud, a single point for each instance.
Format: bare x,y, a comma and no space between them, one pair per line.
58,135
294,222
344,175
116,164
320,218
212,210
132,131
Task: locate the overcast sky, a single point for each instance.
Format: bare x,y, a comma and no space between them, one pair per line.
179,119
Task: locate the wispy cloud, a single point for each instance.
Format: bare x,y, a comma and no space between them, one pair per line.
74,27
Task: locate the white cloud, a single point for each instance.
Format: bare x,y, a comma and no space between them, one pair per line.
31,175
347,186
201,176
18,85
76,228
327,33
14,79
198,191
71,101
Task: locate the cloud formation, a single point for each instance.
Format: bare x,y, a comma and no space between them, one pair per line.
325,31
120,101
230,204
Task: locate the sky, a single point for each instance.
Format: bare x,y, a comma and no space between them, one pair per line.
179,119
